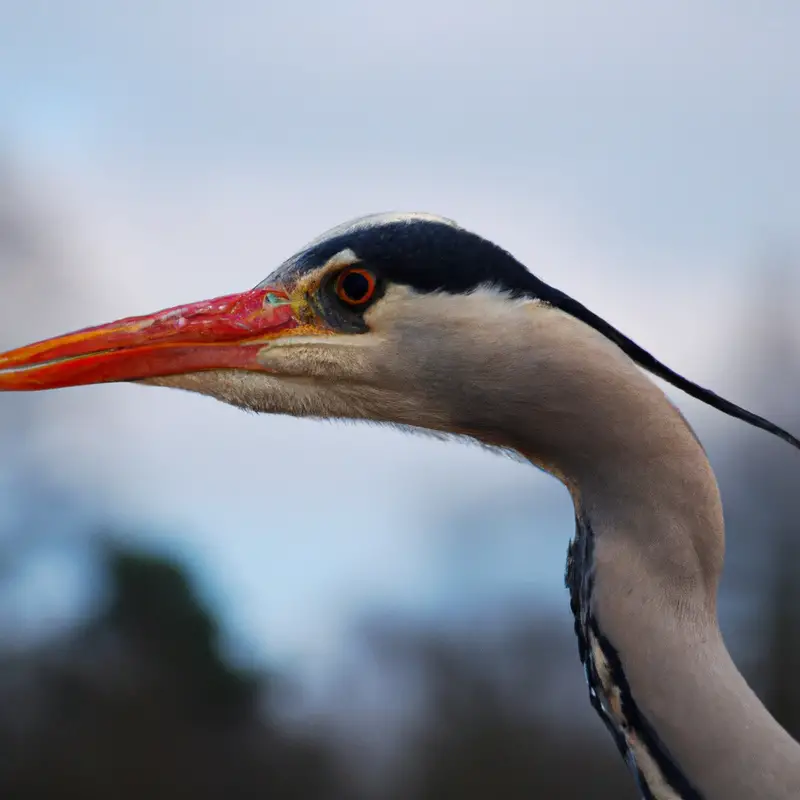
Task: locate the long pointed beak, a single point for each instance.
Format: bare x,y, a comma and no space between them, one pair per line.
225,333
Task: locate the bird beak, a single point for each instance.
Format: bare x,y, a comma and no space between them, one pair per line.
225,333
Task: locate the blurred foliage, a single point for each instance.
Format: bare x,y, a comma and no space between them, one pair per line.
487,728
139,703
154,606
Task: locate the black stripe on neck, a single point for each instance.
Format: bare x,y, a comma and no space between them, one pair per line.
579,580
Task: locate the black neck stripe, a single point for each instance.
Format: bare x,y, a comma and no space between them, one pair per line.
579,579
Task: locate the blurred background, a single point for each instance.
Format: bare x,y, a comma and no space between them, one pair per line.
168,621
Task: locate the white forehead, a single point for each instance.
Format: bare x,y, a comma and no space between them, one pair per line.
378,220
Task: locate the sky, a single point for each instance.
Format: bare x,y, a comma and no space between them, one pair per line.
642,158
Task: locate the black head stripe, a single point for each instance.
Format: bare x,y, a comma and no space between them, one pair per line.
428,255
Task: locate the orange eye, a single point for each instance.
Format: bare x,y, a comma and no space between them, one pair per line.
355,286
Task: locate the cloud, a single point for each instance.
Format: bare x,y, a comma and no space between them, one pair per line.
242,43
678,122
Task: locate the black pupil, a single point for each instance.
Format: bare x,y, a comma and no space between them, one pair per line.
355,287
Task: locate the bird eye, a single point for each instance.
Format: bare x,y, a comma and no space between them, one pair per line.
355,286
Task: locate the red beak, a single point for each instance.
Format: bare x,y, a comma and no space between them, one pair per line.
225,333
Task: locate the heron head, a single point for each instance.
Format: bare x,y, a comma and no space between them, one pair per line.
375,319
400,318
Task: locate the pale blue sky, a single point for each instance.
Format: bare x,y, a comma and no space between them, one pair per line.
641,157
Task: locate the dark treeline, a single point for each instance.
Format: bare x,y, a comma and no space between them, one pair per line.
138,702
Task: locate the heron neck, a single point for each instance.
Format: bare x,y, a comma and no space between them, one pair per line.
643,583
645,566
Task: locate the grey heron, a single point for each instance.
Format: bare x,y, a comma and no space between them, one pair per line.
411,320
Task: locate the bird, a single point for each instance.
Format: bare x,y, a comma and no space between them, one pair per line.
411,320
